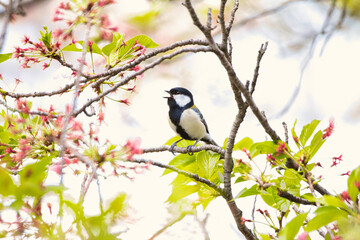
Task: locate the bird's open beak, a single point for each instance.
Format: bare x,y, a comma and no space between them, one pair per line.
171,96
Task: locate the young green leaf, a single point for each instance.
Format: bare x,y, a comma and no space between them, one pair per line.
271,198
114,45
207,162
307,131
353,183
248,192
243,143
333,201
117,206
74,48
324,216
316,143
7,184
180,161
143,40
293,227
5,56
179,191
46,37
263,148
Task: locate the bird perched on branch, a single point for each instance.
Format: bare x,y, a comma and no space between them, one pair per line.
186,119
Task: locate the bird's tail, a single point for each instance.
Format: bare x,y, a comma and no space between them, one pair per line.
209,140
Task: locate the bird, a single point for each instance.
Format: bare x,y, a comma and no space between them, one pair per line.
186,119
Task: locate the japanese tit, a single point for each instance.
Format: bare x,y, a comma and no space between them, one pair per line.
186,119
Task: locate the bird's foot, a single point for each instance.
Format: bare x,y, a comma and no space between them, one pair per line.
171,149
189,149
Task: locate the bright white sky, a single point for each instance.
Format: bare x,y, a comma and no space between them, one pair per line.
330,89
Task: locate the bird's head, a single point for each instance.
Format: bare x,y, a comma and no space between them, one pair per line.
179,97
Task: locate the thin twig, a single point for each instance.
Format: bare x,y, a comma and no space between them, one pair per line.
261,53
286,132
110,73
74,101
185,150
141,71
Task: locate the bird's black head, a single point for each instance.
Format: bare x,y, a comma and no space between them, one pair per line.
180,97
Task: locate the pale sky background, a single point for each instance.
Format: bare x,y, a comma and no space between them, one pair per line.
330,89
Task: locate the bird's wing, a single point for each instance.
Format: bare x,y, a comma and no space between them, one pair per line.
201,117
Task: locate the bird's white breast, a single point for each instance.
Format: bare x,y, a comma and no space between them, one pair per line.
191,123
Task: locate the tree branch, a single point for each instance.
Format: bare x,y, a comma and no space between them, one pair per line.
185,150
106,75
293,198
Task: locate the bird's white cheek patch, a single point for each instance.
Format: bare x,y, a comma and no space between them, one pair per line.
192,124
181,99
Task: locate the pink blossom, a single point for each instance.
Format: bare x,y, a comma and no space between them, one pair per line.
281,148
24,148
125,101
329,130
346,174
103,3
55,167
336,161
76,126
133,147
101,117
303,236
345,196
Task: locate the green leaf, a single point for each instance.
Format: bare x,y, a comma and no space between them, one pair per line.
114,45
35,172
207,162
117,206
145,20
77,209
180,191
46,37
243,143
307,131
143,40
181,162
7,184
333,201
5,56
32,177
263,148
126,51
354,178
316,143
292,178
324,216
206,195
182,143
271,198
294,135
265,236
248,192
293,227
74,48
93,153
